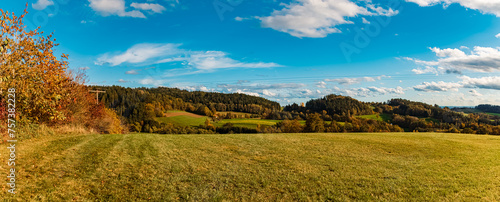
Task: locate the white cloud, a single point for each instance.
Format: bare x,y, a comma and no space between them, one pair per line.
437,86
239,18
114,7
152,81
485,6
268,93
365,21
156,8
498,35
42,4
321,84
84,68
166,53
276,90
140,53
349,81
123,81
209,60
383,90
492,82
426,70
480,59
133,72
475,93
318,18
195,88
368,91
248,93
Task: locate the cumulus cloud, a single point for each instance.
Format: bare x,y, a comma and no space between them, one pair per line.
114,7
42,4
368,91
480,59
152,81
268,93
194,88
84,68
123,81
498,35
167,53
276,90
321,84
484,6
491,82
318,18
425,70
156,8
349,81
246,92
440,86
475,93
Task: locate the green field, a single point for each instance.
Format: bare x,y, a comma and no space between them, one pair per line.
257,167
182,120
379,117
494,114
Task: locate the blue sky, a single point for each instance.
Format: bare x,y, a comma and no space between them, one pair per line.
443,52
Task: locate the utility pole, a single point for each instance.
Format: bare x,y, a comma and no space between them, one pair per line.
97,93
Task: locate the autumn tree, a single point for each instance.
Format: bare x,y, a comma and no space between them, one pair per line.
28,64
314,123
290,126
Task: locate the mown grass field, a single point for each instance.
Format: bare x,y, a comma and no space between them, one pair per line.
257,167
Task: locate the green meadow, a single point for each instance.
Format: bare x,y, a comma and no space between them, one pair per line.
257,167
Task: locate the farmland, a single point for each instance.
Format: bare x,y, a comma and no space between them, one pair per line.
319,166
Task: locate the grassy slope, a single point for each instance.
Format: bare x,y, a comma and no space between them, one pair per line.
380,117
494,114
182,120
398,166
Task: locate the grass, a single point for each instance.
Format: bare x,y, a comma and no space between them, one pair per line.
182,120
494,114
258,167
249,123
379,117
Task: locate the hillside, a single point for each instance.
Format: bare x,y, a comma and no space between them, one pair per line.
144,109
258,167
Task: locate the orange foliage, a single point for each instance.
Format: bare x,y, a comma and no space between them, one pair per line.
46,92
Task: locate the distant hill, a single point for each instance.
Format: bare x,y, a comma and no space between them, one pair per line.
334,104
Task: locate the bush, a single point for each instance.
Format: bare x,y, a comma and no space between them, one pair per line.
110,123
